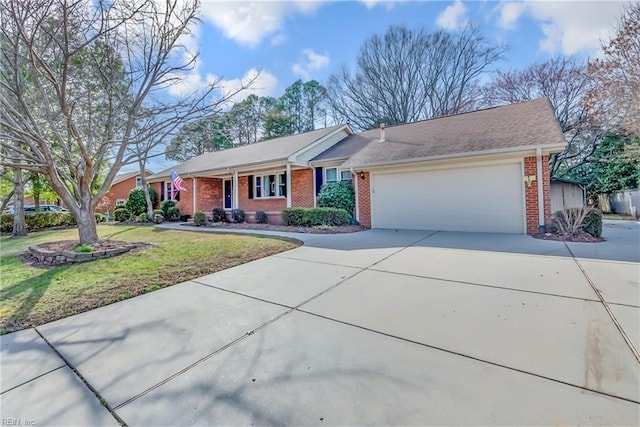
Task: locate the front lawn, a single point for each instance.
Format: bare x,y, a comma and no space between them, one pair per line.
31,296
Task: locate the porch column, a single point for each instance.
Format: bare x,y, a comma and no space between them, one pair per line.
541,223
235,203
195,192
288,175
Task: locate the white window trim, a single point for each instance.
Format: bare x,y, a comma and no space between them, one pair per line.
338,174
121,202
138,182
277,185
168,195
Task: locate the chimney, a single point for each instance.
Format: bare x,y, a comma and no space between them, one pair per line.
381,132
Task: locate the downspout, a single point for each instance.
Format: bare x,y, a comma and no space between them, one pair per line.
541,224
355,190
288,184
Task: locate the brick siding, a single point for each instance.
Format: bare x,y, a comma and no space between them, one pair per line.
246,204
302,188
531,193
364,199
117,191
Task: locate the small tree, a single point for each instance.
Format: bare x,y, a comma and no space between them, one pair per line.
338,195
137,203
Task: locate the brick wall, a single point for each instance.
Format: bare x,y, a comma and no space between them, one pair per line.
364,199
302,188
118,191
209,194
246,204
185,204
531,193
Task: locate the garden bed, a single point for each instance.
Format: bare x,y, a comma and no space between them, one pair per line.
576,238
320,229
63,252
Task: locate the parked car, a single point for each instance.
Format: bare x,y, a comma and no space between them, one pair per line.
45,208
8,210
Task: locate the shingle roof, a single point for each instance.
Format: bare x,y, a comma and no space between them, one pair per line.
126,175
344,149
261,152
530,123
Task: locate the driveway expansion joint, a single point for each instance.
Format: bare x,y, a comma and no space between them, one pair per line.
32,379
605,304
477,359
92,389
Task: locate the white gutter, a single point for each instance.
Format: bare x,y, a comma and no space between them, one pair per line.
354,178
470,154
541,224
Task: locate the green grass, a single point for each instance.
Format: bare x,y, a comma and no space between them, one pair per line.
31,296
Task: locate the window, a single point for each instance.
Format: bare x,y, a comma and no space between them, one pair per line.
168,191
274,185
331,175
120,203
334,175
139,182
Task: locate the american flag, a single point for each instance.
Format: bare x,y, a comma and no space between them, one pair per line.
178,183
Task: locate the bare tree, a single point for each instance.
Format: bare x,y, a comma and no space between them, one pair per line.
84,84
565,82
615,96
406,75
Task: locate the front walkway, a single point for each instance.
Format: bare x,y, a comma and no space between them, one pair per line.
377,327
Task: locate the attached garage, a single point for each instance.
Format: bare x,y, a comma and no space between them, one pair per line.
485,198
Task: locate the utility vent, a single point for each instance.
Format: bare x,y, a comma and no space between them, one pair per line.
381,132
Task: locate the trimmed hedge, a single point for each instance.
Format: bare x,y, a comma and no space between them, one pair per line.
238,215
309,217
173,214
218,215
262,217
165,205
122,214
593,222
199,218
158,218
337,195
38,221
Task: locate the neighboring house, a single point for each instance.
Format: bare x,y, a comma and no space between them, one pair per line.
119,191
485,171
567,194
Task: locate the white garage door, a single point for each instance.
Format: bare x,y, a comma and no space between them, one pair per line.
477,198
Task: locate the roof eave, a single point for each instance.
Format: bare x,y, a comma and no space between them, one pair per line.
293,157
546,149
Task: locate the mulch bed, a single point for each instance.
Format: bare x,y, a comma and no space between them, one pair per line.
577,238
287,228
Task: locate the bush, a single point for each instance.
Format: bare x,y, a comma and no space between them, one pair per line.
303,217
157,212
143,217
122,214
572,221
137,204
218,215
337,195
199,218
6,223
262,217
593,222
238,215
158,218
100,218
165,205
173,214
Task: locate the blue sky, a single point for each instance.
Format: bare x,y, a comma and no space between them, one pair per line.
287,40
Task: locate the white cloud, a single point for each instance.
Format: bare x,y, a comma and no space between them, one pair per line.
373,3
570,27
249,22
509,14
312,61
453,17
264,85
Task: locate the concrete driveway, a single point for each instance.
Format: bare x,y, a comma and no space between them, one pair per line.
379,327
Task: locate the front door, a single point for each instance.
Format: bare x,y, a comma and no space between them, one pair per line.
227,194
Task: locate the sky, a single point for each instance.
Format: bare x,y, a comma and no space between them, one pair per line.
290,40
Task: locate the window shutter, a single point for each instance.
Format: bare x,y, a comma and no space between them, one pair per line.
319,177
178,196
284,184
250,186
162,191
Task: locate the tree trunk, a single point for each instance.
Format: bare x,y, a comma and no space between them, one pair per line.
87,230
19,228
5,201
